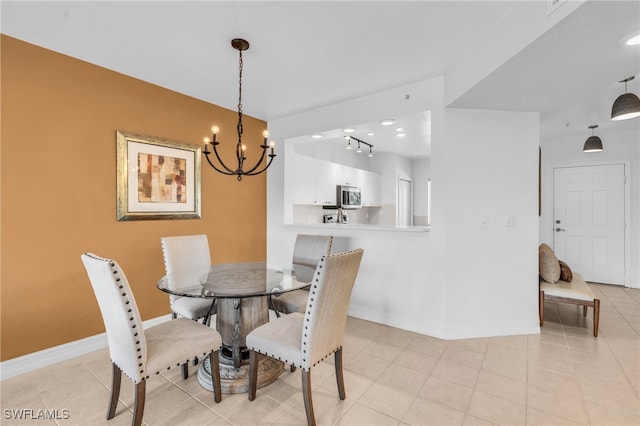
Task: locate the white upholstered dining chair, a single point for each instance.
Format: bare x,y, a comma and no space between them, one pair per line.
305,339
139,353
307,252
190,256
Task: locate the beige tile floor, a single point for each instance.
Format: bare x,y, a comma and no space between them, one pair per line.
563,376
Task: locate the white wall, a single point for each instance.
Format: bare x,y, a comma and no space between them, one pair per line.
620,146
492,270
457,280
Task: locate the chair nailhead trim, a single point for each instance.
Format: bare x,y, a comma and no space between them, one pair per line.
115,271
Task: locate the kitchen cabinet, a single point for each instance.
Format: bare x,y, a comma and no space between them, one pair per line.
315,182
371,185
325,188
347,176
305,180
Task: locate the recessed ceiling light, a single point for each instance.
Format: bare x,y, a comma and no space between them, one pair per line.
316,136
349,130
633,41
401,135
388,122
370,134
399,129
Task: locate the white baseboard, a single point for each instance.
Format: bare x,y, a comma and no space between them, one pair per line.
470,331
396,321
33,361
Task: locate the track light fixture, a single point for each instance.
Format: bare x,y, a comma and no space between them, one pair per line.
360,141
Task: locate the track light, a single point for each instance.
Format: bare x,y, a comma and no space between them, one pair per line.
359,147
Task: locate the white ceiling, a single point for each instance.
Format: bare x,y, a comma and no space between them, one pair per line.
308,54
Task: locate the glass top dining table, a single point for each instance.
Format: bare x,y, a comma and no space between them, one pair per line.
235,280
241,296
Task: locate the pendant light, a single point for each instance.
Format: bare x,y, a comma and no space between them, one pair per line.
626,105
593,143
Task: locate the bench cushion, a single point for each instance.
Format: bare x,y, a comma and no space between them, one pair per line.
576,289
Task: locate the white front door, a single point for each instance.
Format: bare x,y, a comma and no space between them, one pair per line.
589,221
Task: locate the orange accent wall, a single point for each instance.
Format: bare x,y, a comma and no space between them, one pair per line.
58,168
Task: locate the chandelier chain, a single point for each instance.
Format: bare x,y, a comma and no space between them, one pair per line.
240,128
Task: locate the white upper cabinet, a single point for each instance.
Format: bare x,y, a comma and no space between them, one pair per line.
347,176
316,181
326,182
305,180
371,186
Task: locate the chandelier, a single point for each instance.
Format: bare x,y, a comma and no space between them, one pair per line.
240,45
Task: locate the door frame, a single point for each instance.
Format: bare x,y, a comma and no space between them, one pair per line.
410,180
627,203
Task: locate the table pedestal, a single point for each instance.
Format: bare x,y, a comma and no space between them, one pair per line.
236,380
236,317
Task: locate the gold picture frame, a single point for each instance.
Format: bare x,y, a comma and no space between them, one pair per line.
157,178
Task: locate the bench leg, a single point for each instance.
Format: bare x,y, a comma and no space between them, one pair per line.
541,307
596,316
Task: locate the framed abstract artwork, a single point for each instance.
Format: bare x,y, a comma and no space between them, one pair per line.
157,178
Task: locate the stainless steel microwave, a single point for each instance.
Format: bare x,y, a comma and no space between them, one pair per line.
348,197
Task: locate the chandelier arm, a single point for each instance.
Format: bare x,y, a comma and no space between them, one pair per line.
215,168
253,173
258,162
215,151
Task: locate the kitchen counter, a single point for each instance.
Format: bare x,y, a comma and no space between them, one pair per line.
358,226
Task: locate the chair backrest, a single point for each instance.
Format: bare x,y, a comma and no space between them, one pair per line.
307,252
127,345
325,316
186,254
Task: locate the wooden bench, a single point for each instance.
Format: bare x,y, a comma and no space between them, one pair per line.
576,292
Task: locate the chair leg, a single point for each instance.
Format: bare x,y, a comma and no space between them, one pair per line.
253,374
339,376
115,391
138,404
174,315
214,363
185,370
306,394
596,316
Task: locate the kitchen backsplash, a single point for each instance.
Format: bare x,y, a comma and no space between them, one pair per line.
385,215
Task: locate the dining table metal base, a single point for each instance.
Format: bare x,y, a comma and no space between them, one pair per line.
236,380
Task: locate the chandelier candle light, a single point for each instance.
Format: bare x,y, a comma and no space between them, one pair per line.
240,45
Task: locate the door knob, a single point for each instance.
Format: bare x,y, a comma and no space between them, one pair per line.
559,229
558,221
